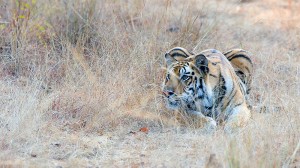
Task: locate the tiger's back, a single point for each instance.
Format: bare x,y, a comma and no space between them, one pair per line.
242,64
227,90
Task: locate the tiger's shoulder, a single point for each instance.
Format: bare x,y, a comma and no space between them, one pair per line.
239,59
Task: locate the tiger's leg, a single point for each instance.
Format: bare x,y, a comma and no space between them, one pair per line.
207,124
238,118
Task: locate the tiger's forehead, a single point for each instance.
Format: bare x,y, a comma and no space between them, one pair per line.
178,66
181,68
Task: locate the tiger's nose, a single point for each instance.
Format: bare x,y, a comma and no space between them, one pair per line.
168,93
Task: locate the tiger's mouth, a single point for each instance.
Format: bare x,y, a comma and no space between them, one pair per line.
176,102
172,103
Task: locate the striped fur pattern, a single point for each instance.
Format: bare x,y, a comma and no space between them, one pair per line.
179,53
207,85
242,64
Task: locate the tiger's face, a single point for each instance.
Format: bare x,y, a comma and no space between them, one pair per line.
180,84
186,85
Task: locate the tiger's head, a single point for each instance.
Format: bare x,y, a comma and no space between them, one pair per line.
174,84
183,79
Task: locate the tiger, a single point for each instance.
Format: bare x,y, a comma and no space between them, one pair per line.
207,87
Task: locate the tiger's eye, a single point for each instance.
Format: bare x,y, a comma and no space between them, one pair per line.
185,77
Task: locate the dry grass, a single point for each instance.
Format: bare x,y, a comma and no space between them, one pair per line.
80,78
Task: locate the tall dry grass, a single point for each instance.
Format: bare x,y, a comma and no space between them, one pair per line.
80,78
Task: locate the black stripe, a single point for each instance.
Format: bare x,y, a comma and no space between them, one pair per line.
178,55
195,86
241,75
215,63
222,91
241,88
238,104
231,98
247,69
240,72
200,85
213,75
238,50
200,88
240,56
179,49
228,52
248,90
208,108
184,69
231,89
242,80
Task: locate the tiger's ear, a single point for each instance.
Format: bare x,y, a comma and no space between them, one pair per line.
201,62
179,53
169,59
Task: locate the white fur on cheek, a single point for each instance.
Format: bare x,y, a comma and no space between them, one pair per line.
207,101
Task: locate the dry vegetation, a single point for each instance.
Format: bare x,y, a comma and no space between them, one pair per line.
79,79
